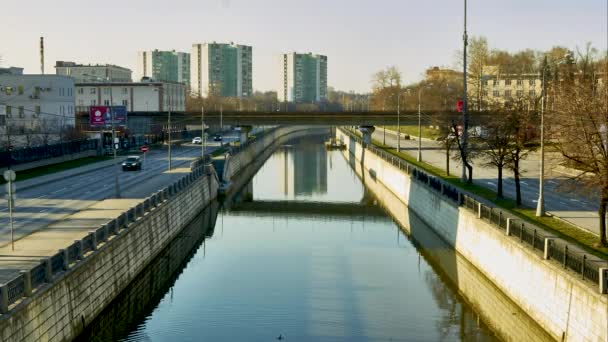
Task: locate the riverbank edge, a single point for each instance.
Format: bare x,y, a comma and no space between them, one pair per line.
566,307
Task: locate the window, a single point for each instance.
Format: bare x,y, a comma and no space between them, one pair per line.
520,93
507,94
496,93
484,82
93,91
20,90
520,82
80,91
8,90
93,102
9,111
37,110
106,90
106,102
21,112
532,93
485,93
80,102
508,82
532,82
125,103
125,91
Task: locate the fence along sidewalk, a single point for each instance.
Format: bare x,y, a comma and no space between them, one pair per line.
589,267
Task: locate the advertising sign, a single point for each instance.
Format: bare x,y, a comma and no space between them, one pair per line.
102,115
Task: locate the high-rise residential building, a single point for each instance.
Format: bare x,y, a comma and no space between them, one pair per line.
93,72
170,66
303,78
221,70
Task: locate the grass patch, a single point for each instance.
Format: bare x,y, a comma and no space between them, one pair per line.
559,228
427,132
45,170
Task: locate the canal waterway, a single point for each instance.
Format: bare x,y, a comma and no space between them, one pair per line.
305,253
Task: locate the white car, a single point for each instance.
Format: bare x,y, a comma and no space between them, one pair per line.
197,140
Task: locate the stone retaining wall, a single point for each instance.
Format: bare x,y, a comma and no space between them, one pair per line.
84,278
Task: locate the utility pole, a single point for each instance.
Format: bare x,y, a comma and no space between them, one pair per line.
221,118
465,114
203,133
419,128
114,147
540,205
169,135
398,122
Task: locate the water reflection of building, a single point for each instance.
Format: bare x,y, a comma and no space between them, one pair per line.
310,170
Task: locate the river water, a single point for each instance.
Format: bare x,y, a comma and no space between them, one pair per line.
304,253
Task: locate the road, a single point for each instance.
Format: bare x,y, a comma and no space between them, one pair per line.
40,206
561,199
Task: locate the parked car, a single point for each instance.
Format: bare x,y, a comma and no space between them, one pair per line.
197,140
217,137
131,163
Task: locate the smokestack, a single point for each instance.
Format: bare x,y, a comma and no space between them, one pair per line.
42,55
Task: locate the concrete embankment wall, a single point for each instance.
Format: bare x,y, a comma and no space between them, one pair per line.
566,307
72,297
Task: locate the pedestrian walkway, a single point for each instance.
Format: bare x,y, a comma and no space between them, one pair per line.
30,249
569,207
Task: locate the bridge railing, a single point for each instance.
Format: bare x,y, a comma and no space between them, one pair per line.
569,256
31,280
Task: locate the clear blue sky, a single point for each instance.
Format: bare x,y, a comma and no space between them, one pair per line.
359,37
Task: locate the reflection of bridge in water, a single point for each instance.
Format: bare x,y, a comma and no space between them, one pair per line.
308,209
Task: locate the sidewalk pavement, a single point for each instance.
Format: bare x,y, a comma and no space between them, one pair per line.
30,249
587,220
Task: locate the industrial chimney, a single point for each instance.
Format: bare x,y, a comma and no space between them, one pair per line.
42,55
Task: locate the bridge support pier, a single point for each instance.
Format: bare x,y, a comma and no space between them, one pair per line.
243,133
367,131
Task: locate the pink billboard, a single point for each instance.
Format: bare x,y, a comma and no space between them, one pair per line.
102,115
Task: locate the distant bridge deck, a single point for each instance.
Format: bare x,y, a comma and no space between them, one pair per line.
312,118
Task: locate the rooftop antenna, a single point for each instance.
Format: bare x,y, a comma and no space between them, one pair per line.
42,55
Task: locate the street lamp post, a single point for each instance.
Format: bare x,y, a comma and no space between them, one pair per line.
116,183
398,122
203,133
419,127
540,205
465,115
169,136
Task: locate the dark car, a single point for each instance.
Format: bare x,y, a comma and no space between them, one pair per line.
217,137
132,163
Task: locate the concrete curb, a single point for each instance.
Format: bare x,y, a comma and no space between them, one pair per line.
412,137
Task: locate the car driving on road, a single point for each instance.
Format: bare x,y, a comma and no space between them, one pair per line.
131,163
197,140
217,137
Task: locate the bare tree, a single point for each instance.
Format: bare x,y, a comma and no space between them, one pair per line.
580,128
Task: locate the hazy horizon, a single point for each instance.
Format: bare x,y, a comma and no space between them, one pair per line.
358,37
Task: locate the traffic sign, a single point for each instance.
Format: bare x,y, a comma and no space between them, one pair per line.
9,175
144,149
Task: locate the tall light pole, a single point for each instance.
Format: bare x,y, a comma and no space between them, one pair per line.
398,122
419,127
169,136
540,205
203,133
465,115
116,183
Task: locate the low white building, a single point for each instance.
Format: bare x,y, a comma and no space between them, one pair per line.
34,108
147,96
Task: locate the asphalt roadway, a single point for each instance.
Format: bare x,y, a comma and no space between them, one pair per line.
563,199
42,205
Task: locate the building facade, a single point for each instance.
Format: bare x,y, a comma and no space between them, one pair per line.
144,97
93,72
218,69
303,78
34,109
170,66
